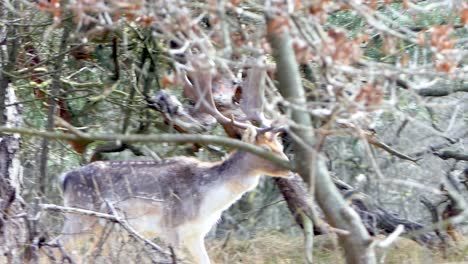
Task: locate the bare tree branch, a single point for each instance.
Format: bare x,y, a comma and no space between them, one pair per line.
173,138
443,90
448,154
381,145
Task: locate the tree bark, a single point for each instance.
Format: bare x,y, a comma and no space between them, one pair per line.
300,204
13,230
447,154
443,90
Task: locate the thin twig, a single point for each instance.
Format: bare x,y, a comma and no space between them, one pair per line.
392,237
114,218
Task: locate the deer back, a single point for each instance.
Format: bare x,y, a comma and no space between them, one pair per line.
174,185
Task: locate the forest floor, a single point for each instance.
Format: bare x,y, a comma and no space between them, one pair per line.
278,248
267,247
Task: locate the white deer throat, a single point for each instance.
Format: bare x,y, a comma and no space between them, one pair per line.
219,198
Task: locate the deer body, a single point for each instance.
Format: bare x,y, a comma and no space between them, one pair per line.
177,199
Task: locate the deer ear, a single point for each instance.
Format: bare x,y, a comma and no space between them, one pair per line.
278,134
249,135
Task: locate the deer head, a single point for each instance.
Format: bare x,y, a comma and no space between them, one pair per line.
268,139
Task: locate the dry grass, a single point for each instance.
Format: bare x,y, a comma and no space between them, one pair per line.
270,247
278,248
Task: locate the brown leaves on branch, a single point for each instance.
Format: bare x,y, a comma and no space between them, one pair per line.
88,12
464,14
446,65
370,96
125,8
145,20
440,37
442,41
340,48
318,9
52,7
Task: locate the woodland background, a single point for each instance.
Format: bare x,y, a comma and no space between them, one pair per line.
373,95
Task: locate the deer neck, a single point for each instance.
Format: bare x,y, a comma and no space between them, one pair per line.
238,172
231,179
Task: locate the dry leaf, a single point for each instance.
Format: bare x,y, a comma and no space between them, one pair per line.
464,15
370,96
276,25
440,37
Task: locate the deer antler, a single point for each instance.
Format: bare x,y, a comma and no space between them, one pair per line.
199,87
198,76
253,93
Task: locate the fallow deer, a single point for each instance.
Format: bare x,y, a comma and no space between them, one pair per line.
177,199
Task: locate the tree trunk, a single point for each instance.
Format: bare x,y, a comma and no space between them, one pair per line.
12,228
310,165
13,231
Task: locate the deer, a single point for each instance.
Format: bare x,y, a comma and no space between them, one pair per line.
177,199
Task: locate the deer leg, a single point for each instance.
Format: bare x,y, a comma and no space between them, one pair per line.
196,246
78,237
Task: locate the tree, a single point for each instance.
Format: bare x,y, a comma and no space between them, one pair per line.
13,223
